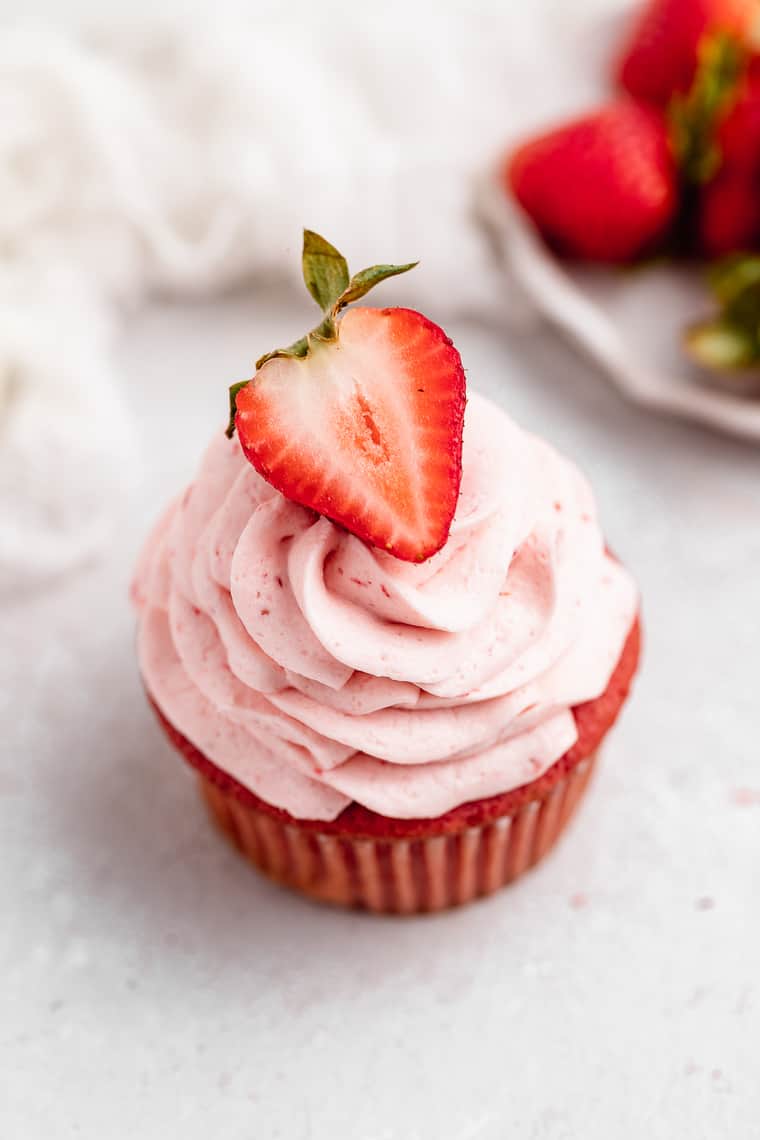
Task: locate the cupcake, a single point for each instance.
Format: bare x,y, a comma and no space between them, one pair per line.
386,633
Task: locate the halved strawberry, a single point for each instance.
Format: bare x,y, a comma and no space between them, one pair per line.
362,419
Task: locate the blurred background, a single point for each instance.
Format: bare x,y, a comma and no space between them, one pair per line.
177,152
157,165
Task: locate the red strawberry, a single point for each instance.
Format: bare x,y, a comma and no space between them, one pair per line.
729,205
602,187
660,57
362,419
738,136
729,213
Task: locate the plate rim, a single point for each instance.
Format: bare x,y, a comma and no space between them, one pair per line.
558,298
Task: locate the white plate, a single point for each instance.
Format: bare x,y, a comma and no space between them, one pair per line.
628,320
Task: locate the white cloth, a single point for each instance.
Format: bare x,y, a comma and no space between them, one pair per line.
179,160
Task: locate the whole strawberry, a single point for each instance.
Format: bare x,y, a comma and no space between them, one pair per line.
361,419
602,187
738,136
660,56
728,218
728,214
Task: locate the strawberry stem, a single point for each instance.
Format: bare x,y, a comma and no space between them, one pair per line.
695,116
299,348
327,330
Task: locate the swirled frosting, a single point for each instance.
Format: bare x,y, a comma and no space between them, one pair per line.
318,671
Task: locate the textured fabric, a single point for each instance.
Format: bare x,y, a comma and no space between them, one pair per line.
180,159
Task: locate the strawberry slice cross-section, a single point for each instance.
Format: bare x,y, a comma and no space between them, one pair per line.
361,420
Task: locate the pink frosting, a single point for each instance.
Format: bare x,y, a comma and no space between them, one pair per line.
317,670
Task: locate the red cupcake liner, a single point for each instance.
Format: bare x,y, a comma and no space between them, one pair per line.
398,875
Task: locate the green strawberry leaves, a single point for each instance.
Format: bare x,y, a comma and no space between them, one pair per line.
299,347
695,116
719,346
234,389
325,272
366,279
731,340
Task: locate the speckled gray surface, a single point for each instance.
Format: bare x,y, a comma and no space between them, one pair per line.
154,986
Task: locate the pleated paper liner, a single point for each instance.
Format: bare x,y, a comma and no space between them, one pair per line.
412,866
396,875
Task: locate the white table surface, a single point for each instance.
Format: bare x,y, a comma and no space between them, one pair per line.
154,986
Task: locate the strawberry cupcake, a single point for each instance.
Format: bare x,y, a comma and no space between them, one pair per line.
386,634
